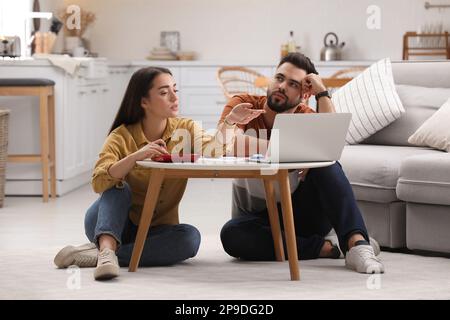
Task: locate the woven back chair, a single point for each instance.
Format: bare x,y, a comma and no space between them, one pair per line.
239,80
340,78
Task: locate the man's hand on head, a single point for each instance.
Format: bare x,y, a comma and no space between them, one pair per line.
312,84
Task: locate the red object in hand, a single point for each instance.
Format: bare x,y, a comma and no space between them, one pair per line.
176,158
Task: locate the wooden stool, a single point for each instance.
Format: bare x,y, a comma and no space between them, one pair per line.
44,89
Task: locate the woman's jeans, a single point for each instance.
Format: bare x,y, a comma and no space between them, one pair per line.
165,244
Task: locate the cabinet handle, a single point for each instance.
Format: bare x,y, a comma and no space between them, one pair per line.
82,92
105,90
94,91
222,103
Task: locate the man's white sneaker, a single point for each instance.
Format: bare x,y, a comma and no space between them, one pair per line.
362,259
334,242
107,265
84,256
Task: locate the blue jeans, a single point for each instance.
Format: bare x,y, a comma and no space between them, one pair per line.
165,244
324,200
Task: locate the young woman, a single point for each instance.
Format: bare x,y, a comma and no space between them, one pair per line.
145,127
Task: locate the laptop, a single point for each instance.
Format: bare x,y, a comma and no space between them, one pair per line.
309,137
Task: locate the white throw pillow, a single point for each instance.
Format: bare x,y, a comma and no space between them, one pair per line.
372,100
435,132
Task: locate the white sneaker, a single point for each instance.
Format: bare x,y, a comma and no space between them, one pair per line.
107,265
335,242
363,260
84,256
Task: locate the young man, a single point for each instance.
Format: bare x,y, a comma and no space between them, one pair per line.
322,198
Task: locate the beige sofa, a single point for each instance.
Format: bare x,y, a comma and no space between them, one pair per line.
402,190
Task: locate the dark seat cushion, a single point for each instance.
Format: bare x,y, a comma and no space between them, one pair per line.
25,82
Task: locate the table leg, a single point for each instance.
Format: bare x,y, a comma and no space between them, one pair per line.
151,199
288,220
274,219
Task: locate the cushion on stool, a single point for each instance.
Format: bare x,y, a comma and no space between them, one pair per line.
25,82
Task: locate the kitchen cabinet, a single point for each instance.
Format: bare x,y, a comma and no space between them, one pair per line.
118,78
88,114
203,104
86,126
81,127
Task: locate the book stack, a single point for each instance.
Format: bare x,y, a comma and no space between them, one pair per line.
161,53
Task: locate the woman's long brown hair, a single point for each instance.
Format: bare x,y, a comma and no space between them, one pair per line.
141,82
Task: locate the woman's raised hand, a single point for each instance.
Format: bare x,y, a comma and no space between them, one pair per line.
243,113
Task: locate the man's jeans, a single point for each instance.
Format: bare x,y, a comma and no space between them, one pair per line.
165,244
323,201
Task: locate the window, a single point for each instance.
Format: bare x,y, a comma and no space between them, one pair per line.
12,19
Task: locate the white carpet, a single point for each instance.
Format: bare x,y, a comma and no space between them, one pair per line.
32,232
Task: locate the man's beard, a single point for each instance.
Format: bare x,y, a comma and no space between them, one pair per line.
280,106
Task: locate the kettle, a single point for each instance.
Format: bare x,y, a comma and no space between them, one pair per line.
332,50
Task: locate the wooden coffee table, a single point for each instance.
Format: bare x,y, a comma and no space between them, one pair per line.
238,168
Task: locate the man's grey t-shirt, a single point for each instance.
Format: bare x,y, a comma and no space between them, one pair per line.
248,195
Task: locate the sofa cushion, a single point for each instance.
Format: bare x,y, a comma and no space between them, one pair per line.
435,132
431,74
373,171
425,179
372,100
420,104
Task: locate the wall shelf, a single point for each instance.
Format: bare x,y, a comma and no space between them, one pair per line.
436,6
427,44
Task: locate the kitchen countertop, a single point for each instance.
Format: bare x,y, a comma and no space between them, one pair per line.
205,63
174,63
31,62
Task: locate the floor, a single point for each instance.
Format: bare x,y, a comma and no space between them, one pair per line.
31,233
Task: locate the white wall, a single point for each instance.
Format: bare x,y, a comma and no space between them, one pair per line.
252,30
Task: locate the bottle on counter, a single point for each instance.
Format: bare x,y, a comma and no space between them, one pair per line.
284,50
292,47
289,46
